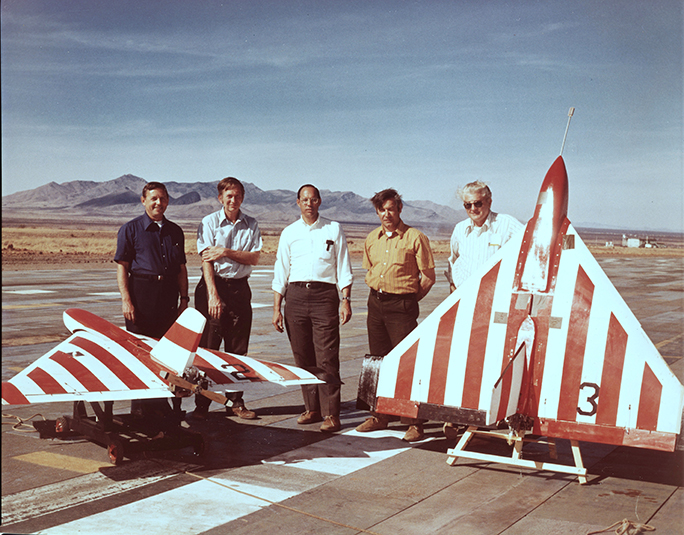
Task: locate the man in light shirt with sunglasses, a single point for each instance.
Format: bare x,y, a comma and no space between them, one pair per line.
477,238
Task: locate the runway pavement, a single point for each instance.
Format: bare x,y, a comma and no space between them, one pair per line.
273,476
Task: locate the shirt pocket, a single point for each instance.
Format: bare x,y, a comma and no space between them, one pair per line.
176,255
403,257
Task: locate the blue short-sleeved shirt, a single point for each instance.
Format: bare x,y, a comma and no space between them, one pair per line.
149,249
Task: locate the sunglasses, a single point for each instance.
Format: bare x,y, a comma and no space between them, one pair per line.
476,204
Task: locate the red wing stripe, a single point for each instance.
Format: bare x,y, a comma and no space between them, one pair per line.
183,337
578,326
79,371
235,366
46,382
611,377
478,339
282,371
213,374
442,354
407,365
12,395
649,400
125,375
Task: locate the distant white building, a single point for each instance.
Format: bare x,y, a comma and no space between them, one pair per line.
631,242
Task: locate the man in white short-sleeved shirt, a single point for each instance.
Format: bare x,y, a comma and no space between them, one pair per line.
312,266
230,244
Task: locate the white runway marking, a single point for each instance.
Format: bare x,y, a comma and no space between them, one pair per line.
207,504
106,294
79,490
196,507
30,292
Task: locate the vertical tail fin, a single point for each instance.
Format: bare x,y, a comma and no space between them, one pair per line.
177,349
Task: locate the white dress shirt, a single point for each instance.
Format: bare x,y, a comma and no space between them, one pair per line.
309,253
243,235
471,245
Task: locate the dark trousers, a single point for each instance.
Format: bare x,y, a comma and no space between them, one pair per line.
156,306
156,310
232,328
313,326
389,320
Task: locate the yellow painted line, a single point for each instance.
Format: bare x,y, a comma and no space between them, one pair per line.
62,462
670,340
39,305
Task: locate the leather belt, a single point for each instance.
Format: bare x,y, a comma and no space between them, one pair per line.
313,285
224,280
149,277
385,296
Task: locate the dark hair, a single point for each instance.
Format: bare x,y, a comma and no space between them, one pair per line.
154,185
318,193
381,197
230,183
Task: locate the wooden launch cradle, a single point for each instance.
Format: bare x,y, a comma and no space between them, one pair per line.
516,458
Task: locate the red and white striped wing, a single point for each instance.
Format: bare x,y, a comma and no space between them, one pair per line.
594,373
455,356
85,367
604,380
229,369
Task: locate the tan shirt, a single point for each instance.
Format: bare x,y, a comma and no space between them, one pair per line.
394,264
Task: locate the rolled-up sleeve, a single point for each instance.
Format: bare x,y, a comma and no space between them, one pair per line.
205,235
344,274
281,269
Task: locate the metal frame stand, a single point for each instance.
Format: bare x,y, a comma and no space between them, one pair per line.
124,435
516,458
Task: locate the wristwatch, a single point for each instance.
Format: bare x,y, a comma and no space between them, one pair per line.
346,298
185,298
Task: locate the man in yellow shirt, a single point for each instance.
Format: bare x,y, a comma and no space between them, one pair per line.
401,271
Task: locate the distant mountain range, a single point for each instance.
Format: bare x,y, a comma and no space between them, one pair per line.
120,198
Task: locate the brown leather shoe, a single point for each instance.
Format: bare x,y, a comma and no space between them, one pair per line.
309,417
414,433
374,423
242,412
332,423
451,431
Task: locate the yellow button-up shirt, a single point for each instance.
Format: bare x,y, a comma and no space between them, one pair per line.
394,264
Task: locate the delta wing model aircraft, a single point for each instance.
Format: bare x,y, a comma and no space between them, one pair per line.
101,362
540,339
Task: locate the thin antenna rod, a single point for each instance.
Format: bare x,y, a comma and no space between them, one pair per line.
571,112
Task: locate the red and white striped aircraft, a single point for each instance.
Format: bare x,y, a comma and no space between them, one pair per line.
538,337
102,362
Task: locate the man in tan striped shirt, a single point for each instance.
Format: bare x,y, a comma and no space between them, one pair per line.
401,271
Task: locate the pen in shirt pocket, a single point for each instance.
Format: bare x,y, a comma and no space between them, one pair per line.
329,244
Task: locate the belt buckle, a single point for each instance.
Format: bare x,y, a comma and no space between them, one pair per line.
307,285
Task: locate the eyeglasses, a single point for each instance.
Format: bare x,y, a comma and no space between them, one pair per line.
476,204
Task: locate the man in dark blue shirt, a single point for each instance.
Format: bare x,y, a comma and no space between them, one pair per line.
151,270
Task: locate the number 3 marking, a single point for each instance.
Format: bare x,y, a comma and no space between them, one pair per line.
590,399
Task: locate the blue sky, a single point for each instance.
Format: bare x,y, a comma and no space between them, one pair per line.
422,96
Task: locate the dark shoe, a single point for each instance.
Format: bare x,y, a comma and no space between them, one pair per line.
374,423
414,433
242,412
332,423
451,431
310,417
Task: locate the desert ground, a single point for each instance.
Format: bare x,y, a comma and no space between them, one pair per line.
43,244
